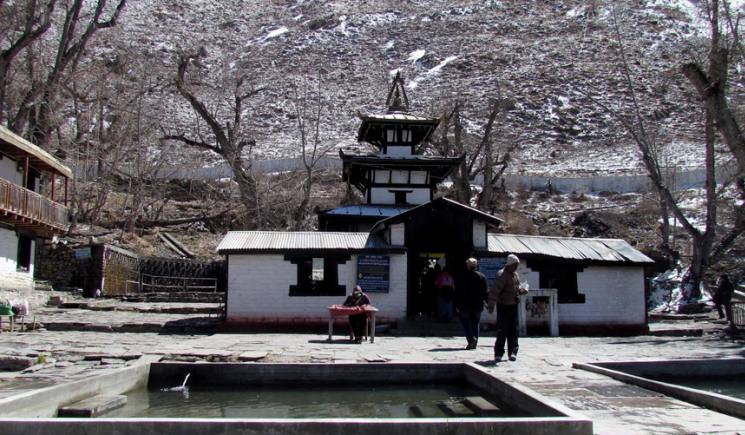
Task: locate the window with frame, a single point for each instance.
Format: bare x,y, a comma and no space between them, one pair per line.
382,176
405,135
400,177
390,135
418,177
317,275
562,277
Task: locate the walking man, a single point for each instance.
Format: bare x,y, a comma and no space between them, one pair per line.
505,295
469,301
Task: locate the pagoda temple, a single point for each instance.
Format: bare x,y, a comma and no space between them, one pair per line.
397,176
391,244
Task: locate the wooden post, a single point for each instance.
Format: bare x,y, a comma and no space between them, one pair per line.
65,191
54,185
25,185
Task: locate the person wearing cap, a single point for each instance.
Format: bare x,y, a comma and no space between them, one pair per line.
470,297
505,295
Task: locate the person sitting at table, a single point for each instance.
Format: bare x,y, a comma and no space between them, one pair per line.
357,321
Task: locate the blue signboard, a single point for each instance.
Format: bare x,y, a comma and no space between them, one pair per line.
373,273
489,266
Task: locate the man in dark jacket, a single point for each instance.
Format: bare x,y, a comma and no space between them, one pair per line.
723,298
469,301
505,294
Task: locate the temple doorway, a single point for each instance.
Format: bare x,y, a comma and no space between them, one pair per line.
435,237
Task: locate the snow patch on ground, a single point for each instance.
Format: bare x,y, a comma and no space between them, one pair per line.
431,72
416,55
666,294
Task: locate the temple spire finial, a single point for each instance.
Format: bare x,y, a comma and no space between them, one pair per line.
397,100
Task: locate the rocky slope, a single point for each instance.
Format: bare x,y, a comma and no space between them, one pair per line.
558,60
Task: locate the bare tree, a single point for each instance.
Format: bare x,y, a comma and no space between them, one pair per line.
308,106
711,85
35,112
706,246
481,158
228,137
26,23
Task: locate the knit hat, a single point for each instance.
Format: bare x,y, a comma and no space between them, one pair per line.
512,259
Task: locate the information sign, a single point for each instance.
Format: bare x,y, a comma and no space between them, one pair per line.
373,273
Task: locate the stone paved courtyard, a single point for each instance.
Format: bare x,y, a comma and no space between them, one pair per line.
84,345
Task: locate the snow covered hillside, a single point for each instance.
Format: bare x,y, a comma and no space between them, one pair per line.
558,61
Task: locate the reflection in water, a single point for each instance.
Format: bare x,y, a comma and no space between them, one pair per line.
304,402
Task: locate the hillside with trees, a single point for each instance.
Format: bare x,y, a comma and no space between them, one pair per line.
126,92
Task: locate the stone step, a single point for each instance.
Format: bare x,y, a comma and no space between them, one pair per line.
455,409
93,406
426,411
481,406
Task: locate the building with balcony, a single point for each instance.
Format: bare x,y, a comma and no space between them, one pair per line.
33,206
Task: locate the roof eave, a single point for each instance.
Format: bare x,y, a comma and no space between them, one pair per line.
27,147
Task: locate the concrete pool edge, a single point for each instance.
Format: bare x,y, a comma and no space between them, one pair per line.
475,426
39,403
718,402
560,419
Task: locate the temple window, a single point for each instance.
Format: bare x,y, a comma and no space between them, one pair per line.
382,176
400,177
317,275
418,177
561,277
390,135
405,135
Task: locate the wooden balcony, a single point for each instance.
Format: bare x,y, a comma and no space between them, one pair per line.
25,209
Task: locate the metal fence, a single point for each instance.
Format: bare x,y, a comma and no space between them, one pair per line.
738,313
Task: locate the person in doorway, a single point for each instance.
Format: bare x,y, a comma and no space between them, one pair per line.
723,298
470,297
357,321
505,295
445,286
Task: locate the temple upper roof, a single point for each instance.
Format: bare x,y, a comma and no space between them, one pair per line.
376,128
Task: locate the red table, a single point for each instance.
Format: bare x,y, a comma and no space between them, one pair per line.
344,311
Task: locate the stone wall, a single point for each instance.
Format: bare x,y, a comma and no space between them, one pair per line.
56,264
113,270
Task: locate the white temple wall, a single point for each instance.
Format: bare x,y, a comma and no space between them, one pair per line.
258,290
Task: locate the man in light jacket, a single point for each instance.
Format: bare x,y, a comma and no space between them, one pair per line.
505,295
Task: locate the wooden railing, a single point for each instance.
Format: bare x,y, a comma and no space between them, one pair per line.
25,203
738,313
155,284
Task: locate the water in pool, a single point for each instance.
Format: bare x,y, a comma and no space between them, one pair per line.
727,387
391,401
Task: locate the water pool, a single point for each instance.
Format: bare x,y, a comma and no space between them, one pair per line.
362,401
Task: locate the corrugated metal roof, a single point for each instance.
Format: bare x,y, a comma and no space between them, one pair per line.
244,241
611,250
366,210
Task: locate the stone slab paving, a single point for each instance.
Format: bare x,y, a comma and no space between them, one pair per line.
544,364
